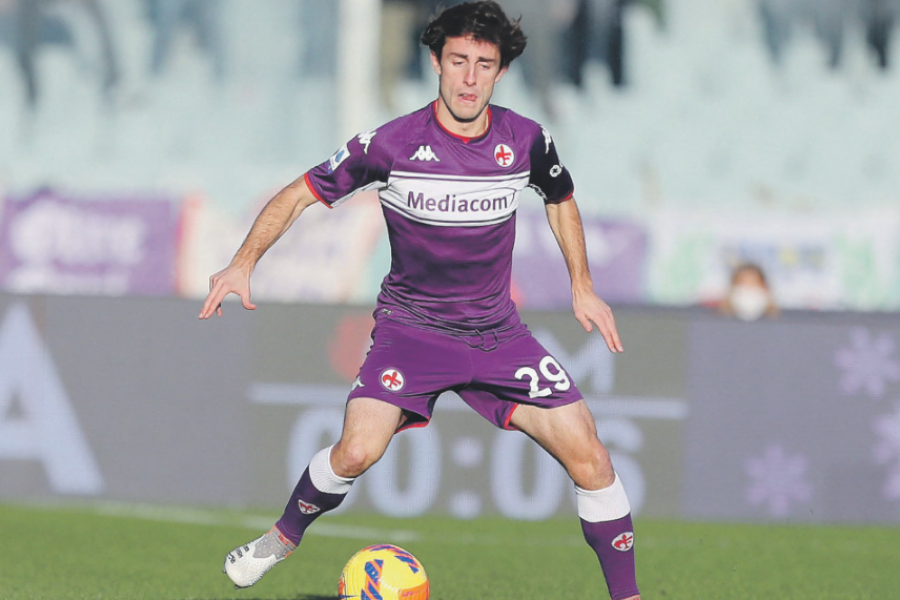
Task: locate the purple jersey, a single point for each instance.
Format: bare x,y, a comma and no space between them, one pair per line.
449,204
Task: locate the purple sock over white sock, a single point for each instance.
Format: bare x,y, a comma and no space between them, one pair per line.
606,522
318,491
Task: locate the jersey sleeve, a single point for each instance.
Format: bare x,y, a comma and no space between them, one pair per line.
360,164
549,178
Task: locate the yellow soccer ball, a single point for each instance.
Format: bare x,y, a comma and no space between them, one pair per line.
383,572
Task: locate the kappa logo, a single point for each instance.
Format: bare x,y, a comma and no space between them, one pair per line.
504,155
357,383
365,139
393,380
624,542
425,153
338,157
307,508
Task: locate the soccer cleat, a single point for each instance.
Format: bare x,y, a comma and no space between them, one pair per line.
246,564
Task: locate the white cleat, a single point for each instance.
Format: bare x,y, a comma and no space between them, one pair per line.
245,565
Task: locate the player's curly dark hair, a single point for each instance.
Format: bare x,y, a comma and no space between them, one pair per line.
485,21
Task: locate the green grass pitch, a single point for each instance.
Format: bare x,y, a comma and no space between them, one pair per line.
134,552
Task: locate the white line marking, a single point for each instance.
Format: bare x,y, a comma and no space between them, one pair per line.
260,523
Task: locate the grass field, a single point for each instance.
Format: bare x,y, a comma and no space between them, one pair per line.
115,551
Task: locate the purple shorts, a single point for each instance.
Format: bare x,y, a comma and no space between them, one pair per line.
493,373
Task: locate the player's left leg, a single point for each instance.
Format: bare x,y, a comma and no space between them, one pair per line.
569,434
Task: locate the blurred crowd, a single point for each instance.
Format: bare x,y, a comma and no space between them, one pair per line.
27,27
564,35
830,20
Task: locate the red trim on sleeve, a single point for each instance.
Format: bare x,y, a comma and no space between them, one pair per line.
571,196
313,189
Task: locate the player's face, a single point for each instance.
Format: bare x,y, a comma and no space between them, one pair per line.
467,70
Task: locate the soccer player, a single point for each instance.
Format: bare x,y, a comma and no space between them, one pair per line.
449,178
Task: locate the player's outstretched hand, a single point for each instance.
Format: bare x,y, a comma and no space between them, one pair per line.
230,280
590,310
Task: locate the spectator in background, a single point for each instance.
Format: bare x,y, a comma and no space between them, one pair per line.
202,16
595,33
540,66
400,20
777,17
749,297
879,17
829,20
319,22
29,25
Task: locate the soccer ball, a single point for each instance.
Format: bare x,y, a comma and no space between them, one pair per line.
383,572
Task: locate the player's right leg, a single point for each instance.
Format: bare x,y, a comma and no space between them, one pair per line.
369,425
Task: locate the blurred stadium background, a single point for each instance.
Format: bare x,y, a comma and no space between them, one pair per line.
139,138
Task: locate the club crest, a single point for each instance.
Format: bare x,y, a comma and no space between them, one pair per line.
392,380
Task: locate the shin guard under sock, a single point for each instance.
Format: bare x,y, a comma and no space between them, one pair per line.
606,522
318,491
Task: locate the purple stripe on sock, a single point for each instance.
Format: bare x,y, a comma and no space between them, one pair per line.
613,542
307,504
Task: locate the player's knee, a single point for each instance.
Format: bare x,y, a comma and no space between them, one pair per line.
591,468
354,459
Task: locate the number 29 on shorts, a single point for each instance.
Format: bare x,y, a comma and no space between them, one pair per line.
551,372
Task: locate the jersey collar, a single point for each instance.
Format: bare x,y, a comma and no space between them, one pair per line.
462,138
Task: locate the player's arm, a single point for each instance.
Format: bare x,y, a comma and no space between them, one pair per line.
271,223
590,310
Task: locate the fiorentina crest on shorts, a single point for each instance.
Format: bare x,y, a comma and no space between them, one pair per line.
624,542
307,508
393,380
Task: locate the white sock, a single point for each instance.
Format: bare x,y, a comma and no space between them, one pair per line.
323,477
607,504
